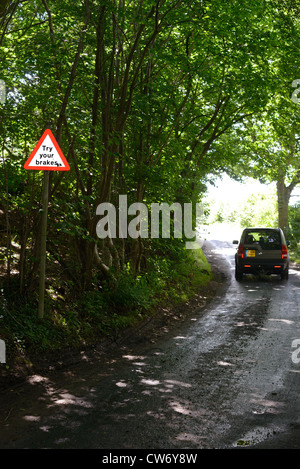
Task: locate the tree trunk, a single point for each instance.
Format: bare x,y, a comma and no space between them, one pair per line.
283,198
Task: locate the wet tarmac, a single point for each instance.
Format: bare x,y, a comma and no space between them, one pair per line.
229,377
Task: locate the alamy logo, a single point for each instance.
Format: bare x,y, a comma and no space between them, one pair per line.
2,352
296,353
137,227
2,91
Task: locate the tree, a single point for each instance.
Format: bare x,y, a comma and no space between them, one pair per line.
268,150
267,144
140,96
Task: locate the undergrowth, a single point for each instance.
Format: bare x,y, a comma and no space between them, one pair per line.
106,311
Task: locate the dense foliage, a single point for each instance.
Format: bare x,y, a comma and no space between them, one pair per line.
145,98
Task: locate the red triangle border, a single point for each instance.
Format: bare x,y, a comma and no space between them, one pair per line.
47,168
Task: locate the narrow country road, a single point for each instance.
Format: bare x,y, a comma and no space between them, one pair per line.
229,378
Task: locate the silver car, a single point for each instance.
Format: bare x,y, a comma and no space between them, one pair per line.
262,250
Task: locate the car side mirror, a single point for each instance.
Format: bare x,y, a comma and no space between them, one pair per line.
235,241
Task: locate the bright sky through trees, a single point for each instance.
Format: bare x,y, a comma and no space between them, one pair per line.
232,191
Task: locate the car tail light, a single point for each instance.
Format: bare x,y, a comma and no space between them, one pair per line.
284,252
241,251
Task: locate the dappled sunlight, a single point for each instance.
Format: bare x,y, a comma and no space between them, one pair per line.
54,397
180,408
150,400
121,384
284,321
165,385
266,405
172,382
150,382
221,363
185,408
134,357
192,438
245,324
187,393
49,410
32,418
147,392
295,272
159,415
37,379
68,399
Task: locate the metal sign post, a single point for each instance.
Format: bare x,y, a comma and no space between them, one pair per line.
43,245
47,156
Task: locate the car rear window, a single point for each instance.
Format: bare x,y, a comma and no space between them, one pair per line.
266,239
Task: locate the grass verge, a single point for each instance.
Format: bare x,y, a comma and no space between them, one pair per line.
102,313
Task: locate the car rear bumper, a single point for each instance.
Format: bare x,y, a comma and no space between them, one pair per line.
270,267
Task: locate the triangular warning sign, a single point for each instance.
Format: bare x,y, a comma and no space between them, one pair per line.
47,155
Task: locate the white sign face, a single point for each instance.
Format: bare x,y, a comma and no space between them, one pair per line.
47,155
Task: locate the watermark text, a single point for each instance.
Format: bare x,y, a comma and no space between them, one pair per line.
2,92
296,352
2,351
156,222
294,97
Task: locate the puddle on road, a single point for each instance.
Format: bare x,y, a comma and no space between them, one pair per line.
258,435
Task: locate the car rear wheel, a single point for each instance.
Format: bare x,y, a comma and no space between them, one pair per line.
285,274
238,273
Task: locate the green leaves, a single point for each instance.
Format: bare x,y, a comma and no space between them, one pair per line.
148,99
